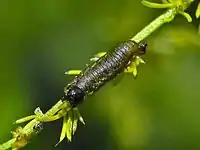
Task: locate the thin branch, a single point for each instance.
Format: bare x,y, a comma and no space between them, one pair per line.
29,128
166,17
155,24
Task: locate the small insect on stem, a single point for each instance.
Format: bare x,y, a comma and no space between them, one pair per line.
125,57
38,127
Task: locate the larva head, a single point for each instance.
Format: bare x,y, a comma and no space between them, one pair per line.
75,95
142,48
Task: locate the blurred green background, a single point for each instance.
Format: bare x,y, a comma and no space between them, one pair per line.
41,39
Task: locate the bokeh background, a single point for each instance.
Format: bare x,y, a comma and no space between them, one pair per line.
41,39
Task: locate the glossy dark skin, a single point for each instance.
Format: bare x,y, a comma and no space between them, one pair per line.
103,70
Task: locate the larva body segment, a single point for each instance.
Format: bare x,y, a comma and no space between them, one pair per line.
106,68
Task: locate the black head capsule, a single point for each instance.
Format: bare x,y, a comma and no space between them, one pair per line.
142,48
75,96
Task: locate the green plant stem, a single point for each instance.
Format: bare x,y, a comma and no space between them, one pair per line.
155,24
7,144
166,17
29,128
150,28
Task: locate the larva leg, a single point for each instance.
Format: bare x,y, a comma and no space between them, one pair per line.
73,72
97,56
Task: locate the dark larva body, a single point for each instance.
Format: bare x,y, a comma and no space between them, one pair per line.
103,70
